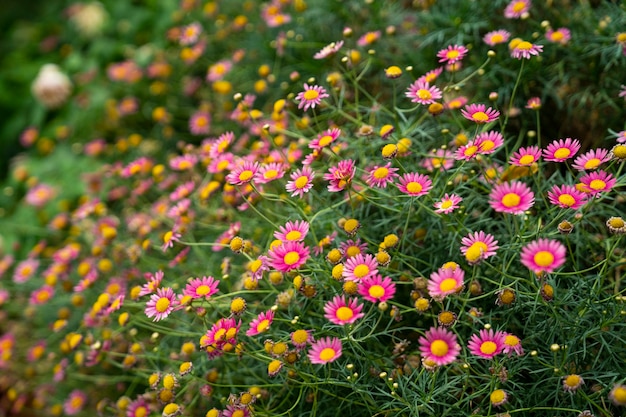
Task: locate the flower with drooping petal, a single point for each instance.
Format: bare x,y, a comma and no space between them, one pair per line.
513,197
261,323
496,37
525,49
525,156
445,281
203,287
487,343
512,344
330,49
341,311
478,246
288,256
375,288
597,182
422,92
415,184
448,203
311,96
360,267
543,255
479,113
591,159
561,150
301,181
452,54
325,139
439,345
567,196
340,176
325,350
516,8
292,231
161,304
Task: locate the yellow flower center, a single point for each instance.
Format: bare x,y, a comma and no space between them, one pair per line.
246,175
519,6
487,145
488,347
439,348
376,291
262,326
470,150
592,163
497,38
475,251
325,140
327,354
543,258
300,336
221,166
448,284
527,160
203,290
293,235
567,200
424,94
511,200
480,116
344,313
352,251
270,174
497,396
524,46
557,36
620,395
597,185
141,411
414,187
452,54
562,153
511,340
301,182
162,305
202,121
291,258
446,204
572,380
219,335
381,173
311,95
361,271
616,222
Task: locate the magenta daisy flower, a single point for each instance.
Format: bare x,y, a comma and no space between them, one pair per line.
368,38
161,304
190,33
543,255
496,37
261,323
288,256
375,288
445,281
325,350
479,113
292,231
340,175
452,54
325,139
511,197
439,345
75,402
221,163
201,287
301,338
222,332
561,149
218,70
468,151
200,123
360,267
257,267
431,75
487,343
512,344
533,103
598,181
301,181
352,247
447,204
342,312
567,196
591,159
489,142
561,35
516,8
330,49
270,172
380,176
422,92
415,184
478,246
525,49
243,173
526,156
311,96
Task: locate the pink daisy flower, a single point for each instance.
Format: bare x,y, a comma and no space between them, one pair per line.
221,163
440,346
200,123
352,247
468,151
41,295
447,204
301,338
292,231
567,196
375,288
561,35
220,145
328,50
597,182
452,54
487,343
380,176
222,332
512,344
456,103
218,70
368,38
243,173
288,256
591,159
190,33
360,267
561,150
489,142
445,281
525,156
621,136
525,49
137,408
261,323
479,113
441,160
25,270
533,103
325,139
340,176
422,92
201,287
257,267
511,197
430,76
311,96
270,172
543,255
325,350
496,37
75,402
415,184
516,8
161,304
478,246
342,312
154,282
301,181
